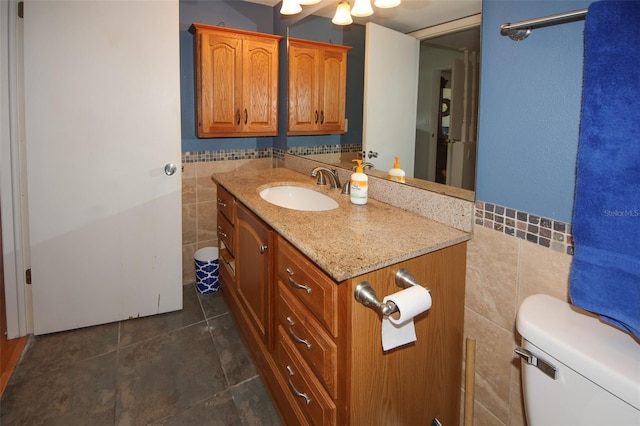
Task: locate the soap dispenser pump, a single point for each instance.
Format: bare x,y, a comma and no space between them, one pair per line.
359,185
396,173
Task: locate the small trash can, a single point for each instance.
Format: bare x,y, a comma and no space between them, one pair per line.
206,263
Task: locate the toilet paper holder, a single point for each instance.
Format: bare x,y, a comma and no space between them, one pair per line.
366,295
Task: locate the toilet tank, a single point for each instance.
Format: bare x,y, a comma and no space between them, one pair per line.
598,366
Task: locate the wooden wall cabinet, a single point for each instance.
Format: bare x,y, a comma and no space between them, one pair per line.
236,82
319,351
317,87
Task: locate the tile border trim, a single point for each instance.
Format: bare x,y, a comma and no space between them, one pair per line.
543,231
324,149
226,155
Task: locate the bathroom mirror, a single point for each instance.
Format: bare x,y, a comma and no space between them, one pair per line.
457,40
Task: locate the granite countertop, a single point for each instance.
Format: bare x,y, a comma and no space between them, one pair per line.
347,241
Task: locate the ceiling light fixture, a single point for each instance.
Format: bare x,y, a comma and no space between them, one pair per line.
290,7
308,2
386,4
362,8
343,14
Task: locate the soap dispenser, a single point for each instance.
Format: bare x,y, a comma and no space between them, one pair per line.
359,185
396,173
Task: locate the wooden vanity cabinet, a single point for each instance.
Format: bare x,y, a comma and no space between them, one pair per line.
319,351
236,82
317,87
329,348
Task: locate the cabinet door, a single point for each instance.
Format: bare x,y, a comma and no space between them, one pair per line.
219,83
260,87
253,270
304,78
334,89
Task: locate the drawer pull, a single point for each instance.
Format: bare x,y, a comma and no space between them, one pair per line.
293,334
221,203
223,234
295,284
293,388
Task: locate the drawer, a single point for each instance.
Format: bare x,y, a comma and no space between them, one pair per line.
305,388
312,287
227,265
226,204
225,232
310,340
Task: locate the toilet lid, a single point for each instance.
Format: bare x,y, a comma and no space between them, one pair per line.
600,352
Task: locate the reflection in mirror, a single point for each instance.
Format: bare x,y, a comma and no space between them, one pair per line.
448,167
446,126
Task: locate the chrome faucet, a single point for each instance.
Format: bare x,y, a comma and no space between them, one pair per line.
322,172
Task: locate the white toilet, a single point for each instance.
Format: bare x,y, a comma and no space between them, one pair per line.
576,370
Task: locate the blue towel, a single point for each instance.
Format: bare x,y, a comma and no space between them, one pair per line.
605,273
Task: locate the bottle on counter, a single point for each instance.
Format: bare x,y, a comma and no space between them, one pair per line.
396,173
359,185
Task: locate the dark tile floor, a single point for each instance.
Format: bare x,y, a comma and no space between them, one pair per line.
182,368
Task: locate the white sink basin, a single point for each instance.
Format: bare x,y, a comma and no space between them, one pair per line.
298,198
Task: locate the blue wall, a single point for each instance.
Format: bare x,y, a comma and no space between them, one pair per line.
321,29
264,19
231,14
530,109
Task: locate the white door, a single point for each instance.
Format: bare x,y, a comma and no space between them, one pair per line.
390,97
462,132
457,136
102,111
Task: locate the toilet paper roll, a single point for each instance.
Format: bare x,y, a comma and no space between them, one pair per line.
398,329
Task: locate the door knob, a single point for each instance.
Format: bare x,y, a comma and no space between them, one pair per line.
170,169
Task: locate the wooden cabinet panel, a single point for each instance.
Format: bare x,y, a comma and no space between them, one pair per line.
236,82
253,271
334,90
219,81
317,87
423,377
304,76
309,395
225,233
226,204
313,288
260,88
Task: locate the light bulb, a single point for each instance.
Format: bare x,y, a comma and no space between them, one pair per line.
343,14
362,8
290,7
386,4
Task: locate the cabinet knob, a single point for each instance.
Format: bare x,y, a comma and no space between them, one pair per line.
263,248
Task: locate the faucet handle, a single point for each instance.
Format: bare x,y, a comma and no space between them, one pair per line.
346,188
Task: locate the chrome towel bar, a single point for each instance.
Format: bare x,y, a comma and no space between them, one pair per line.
520,30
